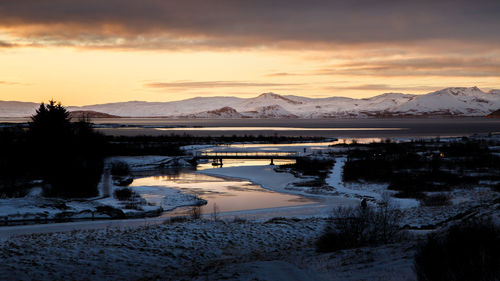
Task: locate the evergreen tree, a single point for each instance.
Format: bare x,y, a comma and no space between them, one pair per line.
50,120
68,156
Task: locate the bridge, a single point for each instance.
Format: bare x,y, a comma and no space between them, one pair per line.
217,156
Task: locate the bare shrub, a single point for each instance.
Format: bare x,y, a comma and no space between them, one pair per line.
357,227
195,212
123,194
470,251
436,200
386,219
239,220
120,168
177,219
215,212
133,206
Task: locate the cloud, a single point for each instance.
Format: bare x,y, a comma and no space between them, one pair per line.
382,87
6,45
149,24
9,83
487,66
282,74
188,85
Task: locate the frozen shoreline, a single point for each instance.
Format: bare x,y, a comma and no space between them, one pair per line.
282,182
369,191
34,208
264,246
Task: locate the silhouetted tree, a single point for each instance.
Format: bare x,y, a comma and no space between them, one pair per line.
68,156
51,121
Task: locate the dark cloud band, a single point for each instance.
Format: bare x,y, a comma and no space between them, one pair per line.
233,23
179,85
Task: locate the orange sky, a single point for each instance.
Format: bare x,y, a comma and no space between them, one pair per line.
134,54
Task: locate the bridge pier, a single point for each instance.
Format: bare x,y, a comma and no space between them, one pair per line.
217,162
217,156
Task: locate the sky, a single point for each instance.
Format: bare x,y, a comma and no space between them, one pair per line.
83,52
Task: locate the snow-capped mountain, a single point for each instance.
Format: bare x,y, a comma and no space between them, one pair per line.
446,102
17,109
452,101
269,111
224,112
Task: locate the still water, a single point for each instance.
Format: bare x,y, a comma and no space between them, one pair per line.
230,194
329,128
227,194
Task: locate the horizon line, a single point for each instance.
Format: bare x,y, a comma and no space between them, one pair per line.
282,95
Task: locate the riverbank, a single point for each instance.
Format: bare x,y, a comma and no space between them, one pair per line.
35,208
264,244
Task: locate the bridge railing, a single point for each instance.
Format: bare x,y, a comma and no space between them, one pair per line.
247,154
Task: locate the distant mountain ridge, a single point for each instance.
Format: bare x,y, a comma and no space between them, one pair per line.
90,114
457,101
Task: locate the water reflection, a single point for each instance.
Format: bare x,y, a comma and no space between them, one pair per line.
312,145
273,129
233,194
246,162
229,194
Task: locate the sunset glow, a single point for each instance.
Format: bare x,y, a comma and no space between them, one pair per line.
88,52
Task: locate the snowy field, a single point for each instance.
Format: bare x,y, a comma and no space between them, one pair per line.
279,249
262,244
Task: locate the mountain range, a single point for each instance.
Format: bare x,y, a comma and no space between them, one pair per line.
457,101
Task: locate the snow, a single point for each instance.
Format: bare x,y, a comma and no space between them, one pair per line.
137,163
278,249
283,182
275,271
371,191
265,176
156,198
258,249
269,111
450,101
224,112
35,208
455,101
167,198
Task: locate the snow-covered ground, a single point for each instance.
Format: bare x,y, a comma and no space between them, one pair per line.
266,176
279,249
369,191
149,162
229,249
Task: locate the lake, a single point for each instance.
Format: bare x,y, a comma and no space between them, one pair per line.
335,128
379,127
